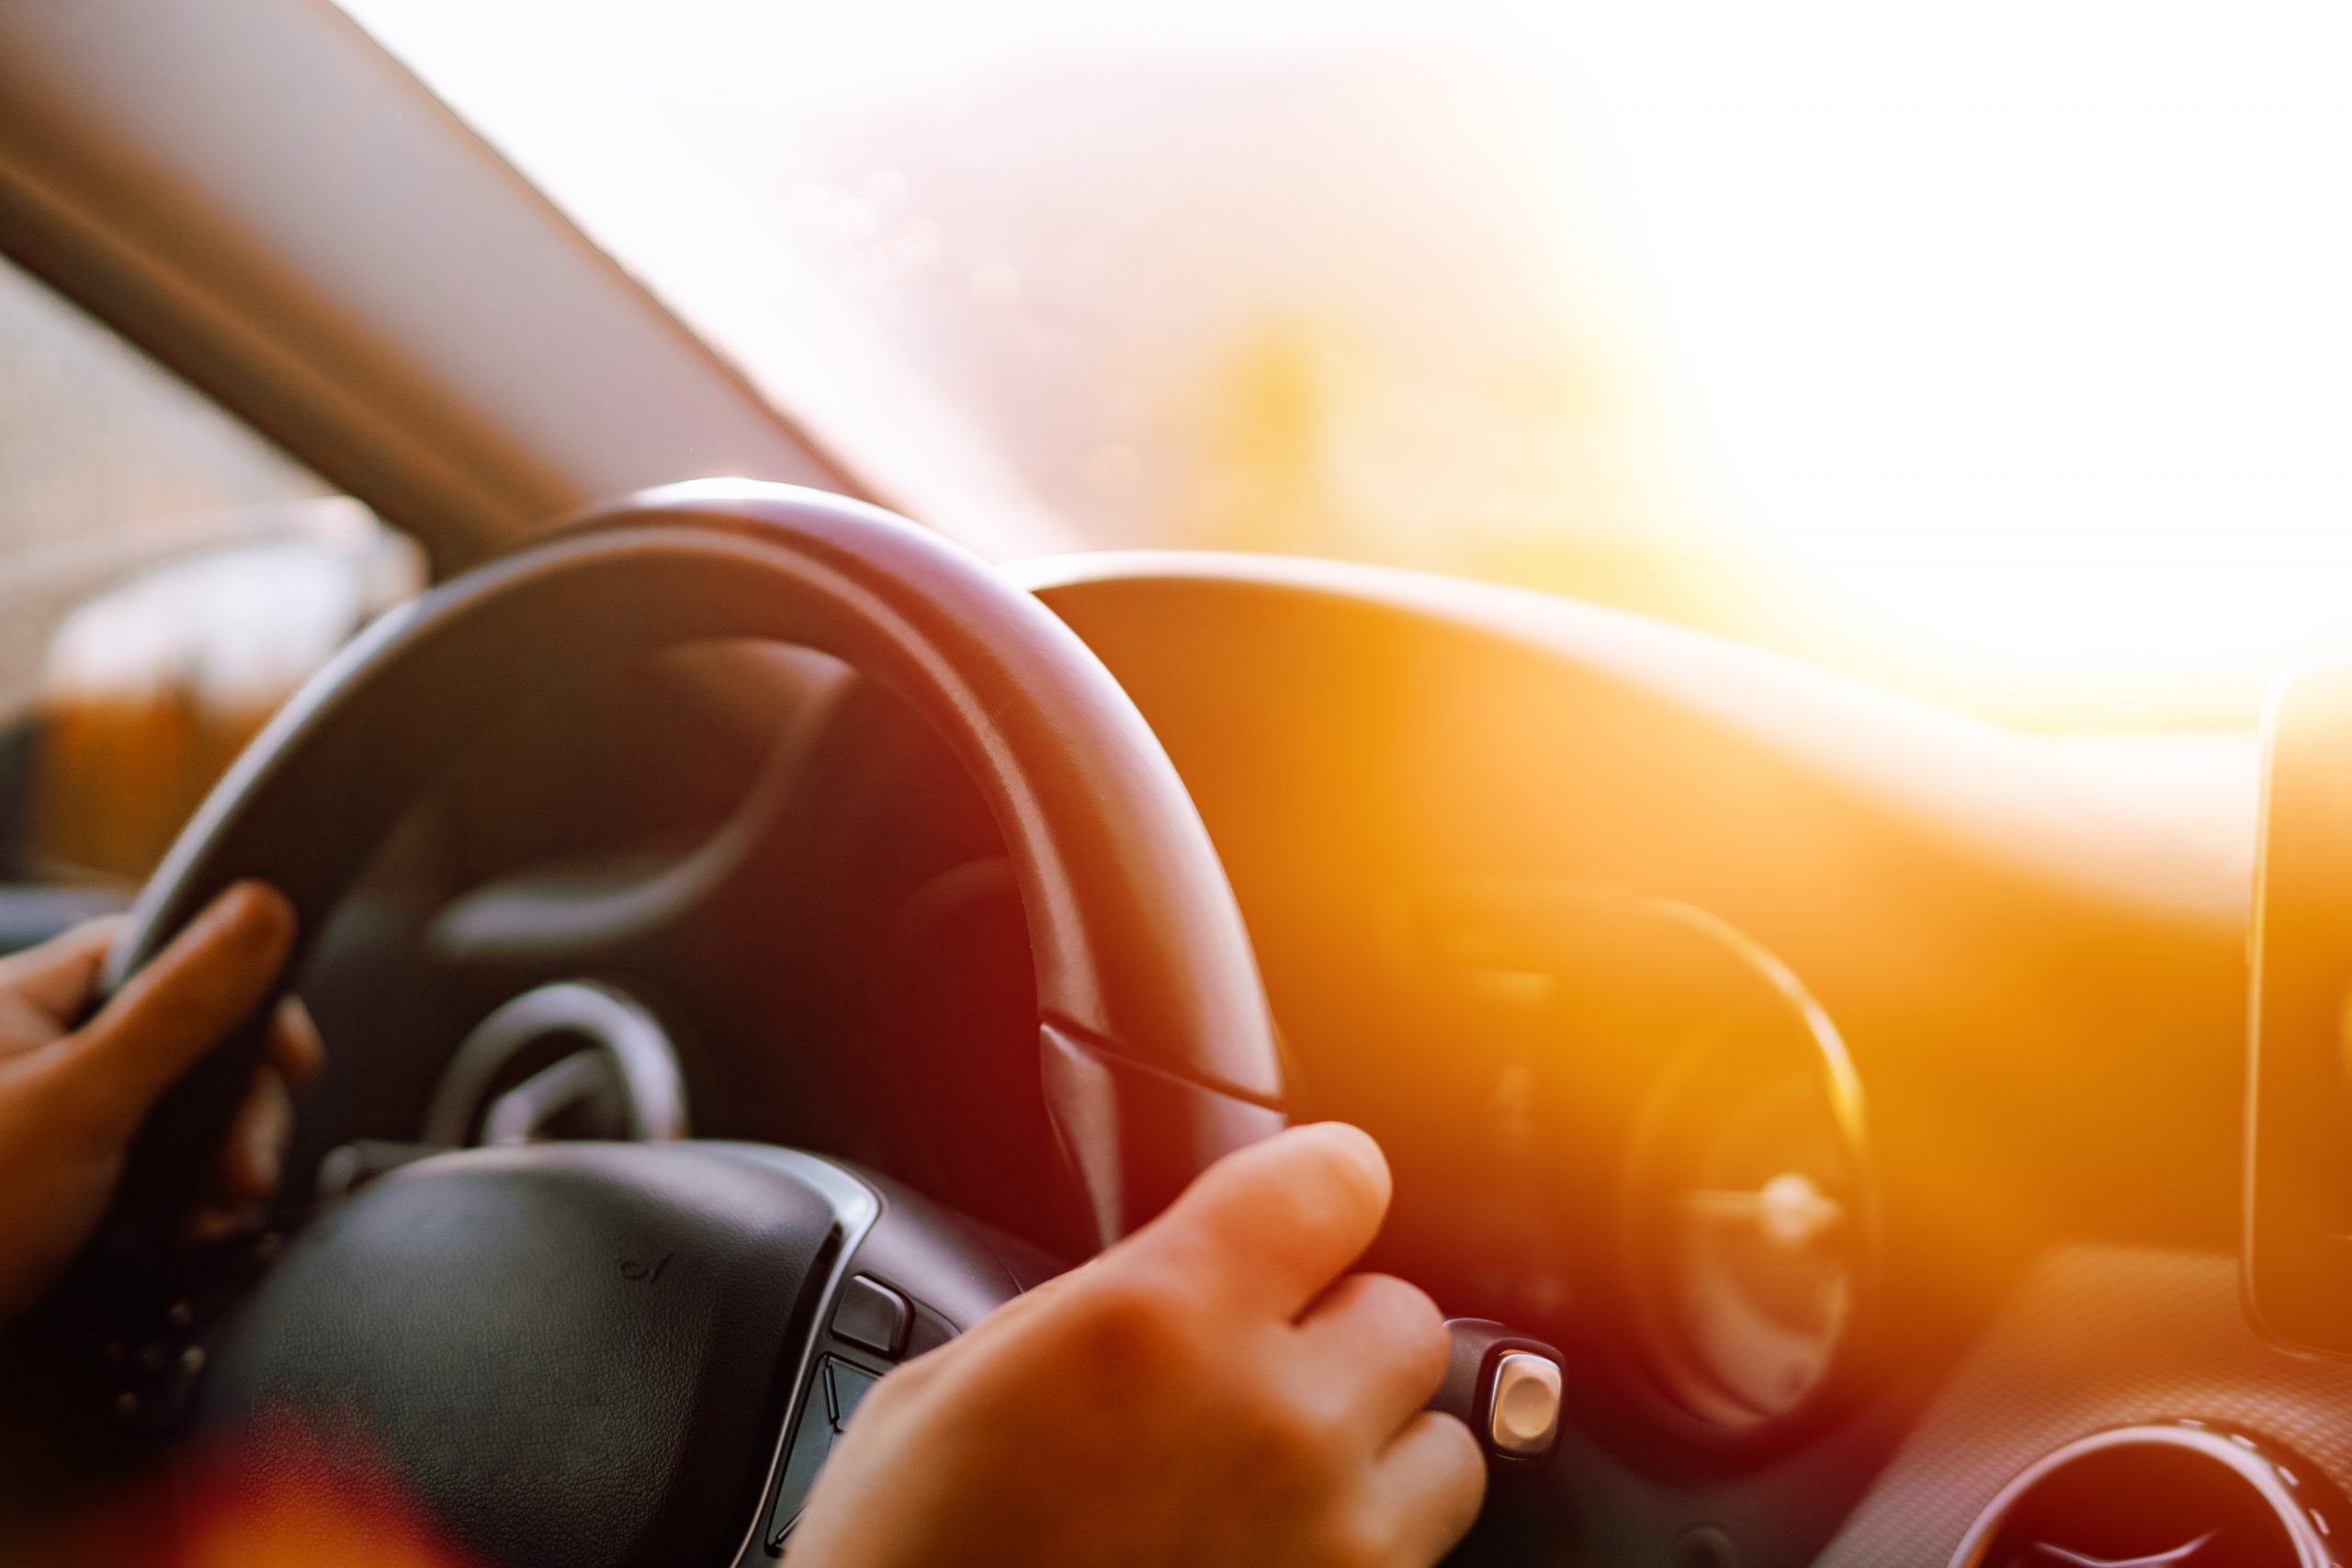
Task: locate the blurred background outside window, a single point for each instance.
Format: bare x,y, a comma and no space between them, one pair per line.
166,578
2000,352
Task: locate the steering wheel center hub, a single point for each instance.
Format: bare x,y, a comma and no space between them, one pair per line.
561,1354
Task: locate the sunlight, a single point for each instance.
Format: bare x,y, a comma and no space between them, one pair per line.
2002,355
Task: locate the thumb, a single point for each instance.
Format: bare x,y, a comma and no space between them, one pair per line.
1272,1225
212,978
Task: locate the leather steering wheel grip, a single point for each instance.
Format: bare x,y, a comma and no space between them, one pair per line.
1159,1053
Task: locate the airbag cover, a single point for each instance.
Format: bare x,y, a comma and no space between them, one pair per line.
568,1354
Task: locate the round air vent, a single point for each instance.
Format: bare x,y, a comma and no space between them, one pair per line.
1749,1229
2180,1495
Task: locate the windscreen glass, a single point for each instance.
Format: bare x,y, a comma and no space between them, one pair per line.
1999,353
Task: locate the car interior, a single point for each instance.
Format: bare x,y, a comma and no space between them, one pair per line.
1887,1135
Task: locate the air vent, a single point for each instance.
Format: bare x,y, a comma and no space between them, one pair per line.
2181,1495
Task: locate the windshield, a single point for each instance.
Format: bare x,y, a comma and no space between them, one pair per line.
2002,353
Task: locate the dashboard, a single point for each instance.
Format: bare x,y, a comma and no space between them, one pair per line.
1853,1092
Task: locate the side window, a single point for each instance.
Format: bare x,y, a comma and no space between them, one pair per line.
166,578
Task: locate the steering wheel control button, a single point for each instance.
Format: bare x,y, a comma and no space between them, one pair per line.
845,1387
812,1444
840,1387
872,1315
2179,1495
834,1397
1523,1413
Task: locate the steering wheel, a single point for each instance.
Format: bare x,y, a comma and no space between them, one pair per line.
623,1354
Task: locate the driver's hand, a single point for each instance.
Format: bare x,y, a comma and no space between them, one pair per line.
70,1098
1211,1391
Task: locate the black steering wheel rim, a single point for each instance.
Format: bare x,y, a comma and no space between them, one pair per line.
1157,1049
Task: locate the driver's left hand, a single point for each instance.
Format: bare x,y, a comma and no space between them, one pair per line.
71,1096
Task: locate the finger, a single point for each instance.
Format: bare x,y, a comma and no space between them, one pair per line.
195,993
1425,1490
253,1157
295,1048
54,980
1275,1224
1376,1349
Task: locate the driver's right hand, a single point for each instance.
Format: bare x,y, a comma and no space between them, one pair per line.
1211,1391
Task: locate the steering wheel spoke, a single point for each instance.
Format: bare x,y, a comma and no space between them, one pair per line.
1137,1133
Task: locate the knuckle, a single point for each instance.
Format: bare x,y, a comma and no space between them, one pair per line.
1132,1330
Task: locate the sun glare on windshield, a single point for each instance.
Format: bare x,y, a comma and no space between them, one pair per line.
1999,353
